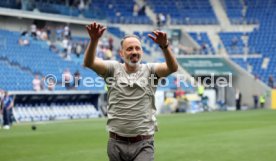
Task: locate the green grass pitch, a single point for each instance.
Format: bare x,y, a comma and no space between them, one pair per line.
214,136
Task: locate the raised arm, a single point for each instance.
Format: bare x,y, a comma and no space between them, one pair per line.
170,66
95,32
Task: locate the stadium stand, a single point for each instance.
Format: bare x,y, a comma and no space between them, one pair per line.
37,59
233,42
185,12
15,79
234,11
121,11
116,32
113,11
204,42
10,4
27,113
261,40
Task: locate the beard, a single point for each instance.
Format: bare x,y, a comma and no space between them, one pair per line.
134,60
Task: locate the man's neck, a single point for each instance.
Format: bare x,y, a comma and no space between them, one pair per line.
131,69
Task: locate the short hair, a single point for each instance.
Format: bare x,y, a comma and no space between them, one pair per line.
128,36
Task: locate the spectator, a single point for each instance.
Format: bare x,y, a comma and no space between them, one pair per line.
44,35
85,44
234,42
51,33
221,104
107,54
271,81
24,40
141,11
51,85
2,93
135,10
238,99
162,19
69,51
204,101
33,30
256,100
24,32
38,34
53,48
81,6
79,49
6,107
110,43
262,100
59,32
77,78
100,50
179,93
67,32
203,48
200,89
66,77
36,83
42,83
67,46
158,22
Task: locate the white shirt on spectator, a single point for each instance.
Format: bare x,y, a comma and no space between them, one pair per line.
33,28
36,84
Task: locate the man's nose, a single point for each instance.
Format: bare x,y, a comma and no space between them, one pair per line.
136,50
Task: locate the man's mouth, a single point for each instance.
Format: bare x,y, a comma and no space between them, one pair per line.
134,58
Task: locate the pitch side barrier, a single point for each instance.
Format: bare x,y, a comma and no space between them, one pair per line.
55,105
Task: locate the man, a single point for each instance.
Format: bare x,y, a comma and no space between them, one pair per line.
200,89
256,100
238,99
262,100
36,83
131,110
67,78
2,93
271,82
6,106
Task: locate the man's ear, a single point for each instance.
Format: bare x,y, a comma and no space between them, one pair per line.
121,53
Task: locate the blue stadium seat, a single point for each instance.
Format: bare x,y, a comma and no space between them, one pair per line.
36,58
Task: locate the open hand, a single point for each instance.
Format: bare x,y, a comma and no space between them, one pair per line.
95,30
159,38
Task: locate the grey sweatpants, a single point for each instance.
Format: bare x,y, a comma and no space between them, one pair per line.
124,151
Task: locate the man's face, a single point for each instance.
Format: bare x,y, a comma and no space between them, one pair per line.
131,51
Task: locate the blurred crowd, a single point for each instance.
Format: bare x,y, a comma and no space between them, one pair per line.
68,81
62,43
29,5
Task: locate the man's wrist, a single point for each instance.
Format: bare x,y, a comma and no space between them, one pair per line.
165,46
